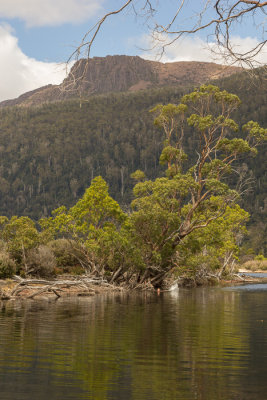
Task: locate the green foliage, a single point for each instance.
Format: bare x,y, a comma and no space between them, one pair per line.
169,116
187,218
49,154
116,250
214,245
236,146
255,131
138,175
7,266
171,119
69,255
20,234
188,208
94,223
172,154
260,257
206,92
95,211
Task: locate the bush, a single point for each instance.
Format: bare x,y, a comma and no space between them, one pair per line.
7,266
67,254
41,261
3,246
256,265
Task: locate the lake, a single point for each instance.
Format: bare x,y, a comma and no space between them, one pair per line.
203,343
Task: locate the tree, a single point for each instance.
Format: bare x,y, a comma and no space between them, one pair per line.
168,210
214,249
94,225
20,235
218,18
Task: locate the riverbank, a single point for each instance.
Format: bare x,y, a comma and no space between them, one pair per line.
63,286
84,286
243,279
257,271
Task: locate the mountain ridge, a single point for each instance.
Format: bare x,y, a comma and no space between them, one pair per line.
122,73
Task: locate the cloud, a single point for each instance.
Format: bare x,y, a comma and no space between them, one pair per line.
50,12
20,73
196,49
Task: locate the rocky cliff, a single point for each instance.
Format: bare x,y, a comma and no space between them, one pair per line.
120,74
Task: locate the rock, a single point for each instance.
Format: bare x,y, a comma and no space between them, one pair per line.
120,74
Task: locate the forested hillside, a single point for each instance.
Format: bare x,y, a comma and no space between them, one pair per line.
252,91
49,154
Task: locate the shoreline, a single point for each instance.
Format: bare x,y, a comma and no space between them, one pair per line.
61,287
71,286
258,271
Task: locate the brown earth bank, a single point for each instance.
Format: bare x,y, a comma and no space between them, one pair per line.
18,288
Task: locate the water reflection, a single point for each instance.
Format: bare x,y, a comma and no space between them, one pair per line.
251,287
199,344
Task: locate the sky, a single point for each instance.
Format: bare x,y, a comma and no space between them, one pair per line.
38,36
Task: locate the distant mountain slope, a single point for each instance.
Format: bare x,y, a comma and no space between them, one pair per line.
121,74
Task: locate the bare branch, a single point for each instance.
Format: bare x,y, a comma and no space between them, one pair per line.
226,14
94,31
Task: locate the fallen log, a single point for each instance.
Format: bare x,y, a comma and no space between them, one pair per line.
40,291
82,286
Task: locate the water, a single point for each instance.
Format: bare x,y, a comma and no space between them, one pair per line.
256,274
205,344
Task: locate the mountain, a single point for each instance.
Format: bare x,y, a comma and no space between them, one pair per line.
120,74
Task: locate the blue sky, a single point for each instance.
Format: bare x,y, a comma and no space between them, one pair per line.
37,35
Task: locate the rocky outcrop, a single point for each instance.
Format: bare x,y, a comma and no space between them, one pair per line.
110,74
120,74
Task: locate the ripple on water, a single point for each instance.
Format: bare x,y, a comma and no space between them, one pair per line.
207,344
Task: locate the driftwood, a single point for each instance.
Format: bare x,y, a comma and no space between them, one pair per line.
247,278
84,286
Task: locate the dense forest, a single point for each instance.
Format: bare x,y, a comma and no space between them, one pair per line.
50,154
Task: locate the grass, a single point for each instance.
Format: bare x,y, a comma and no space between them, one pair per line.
255,265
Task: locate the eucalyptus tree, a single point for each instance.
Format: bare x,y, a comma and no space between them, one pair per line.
169,209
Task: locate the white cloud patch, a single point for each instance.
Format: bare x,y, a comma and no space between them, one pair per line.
50,12
196,49
20,73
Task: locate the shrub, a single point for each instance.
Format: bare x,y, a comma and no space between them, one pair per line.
256,265
7,266
67,254
41,261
